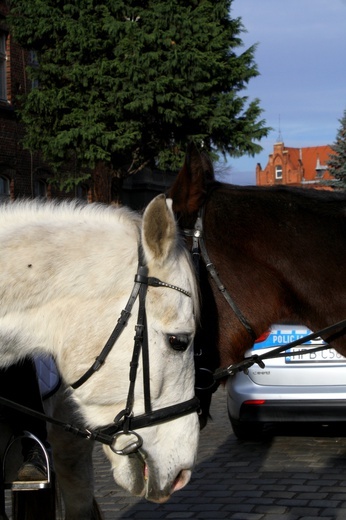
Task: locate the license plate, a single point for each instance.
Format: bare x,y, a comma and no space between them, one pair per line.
302,355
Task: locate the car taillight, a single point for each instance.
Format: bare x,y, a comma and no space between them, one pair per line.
262,337
255,401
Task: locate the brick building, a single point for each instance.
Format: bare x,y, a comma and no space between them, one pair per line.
295,166
21,173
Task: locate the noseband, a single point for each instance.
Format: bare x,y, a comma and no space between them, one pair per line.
121,435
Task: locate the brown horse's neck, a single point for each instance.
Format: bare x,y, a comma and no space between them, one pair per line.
270,258
260,303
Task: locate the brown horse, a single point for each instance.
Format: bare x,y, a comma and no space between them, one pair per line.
280,253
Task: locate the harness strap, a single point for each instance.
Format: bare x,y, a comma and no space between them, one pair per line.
280,351
141,280
121,324
106,435
214,274
146,368
198,241
43,417
140,345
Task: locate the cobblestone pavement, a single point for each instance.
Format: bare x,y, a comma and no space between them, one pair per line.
299,477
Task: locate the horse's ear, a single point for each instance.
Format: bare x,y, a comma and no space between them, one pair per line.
159,229
189,189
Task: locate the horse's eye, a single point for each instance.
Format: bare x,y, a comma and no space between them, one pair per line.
179,342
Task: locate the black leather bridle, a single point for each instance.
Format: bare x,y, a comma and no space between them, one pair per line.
121,435
125,423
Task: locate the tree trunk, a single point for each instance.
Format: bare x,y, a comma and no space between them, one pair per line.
102,181
117,183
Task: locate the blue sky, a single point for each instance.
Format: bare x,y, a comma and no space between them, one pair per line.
301,58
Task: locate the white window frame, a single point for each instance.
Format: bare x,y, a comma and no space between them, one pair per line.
278,172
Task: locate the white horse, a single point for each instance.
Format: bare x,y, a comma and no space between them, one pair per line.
67,272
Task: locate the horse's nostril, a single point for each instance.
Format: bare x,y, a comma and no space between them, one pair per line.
181,480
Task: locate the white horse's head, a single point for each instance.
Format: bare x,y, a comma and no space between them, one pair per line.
67,275
164,462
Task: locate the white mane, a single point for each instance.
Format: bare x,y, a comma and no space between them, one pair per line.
22,211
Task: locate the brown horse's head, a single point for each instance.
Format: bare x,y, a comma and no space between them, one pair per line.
189,194
278,252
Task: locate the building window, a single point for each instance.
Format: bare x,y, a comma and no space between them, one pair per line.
82,191
320,172
40,189
4,188
33,62
3,89
278,172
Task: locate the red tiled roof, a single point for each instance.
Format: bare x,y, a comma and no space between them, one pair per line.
293,154
310,157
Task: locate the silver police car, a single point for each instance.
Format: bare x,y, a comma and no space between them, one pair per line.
302,386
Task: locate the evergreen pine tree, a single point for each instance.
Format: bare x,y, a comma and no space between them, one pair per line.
125,84
337,160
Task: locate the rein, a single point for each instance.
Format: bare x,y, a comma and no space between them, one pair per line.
125,423
199,249
277,352
109,434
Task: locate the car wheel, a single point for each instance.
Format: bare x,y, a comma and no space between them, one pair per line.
247,430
